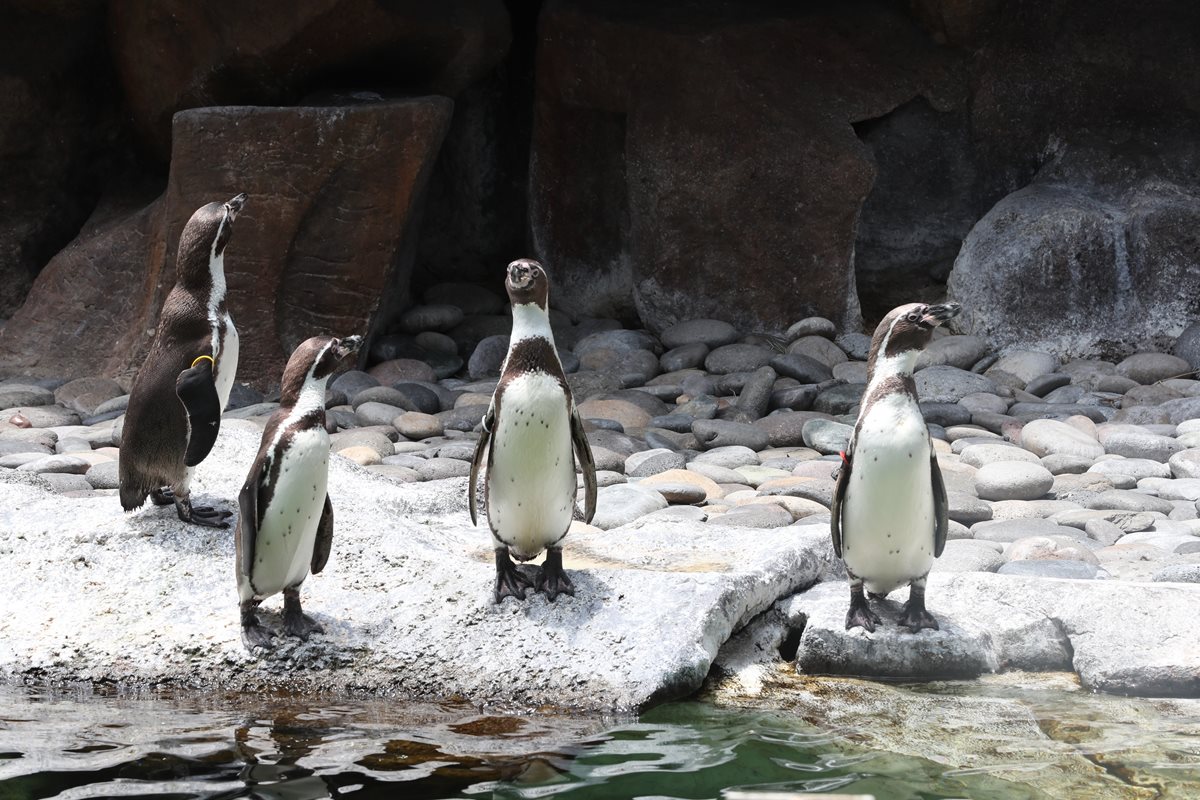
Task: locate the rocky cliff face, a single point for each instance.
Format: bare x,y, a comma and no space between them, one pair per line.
751,162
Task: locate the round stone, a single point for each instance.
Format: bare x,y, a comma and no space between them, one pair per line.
373,439
756,515
68,465
819,348
419,397
1010,530
13,395
731,457
686,356
1123,500
968,555
105,475
402,369
1139,444
1012,480
977,455
623,503
376,414
713,433
1136,468
714,472
1018,367
620,340
438,468
626,413
710,332
1063,464
1054,568
439,317
827,436
86,394
488,357
945,384
1033,548
839,399
361,455
1185,463
811,326
976,402
801,367
681,493
710,490
352,382
954,351
652,462
856,345
737,358
1045,436
967,509
418,425
1147,368
1103,531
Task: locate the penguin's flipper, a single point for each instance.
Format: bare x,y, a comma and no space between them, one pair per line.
587,464
835,508
485,436
198,393
324,542
941,507
247,530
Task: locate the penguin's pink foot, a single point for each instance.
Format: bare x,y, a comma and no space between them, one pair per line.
553,580
510,581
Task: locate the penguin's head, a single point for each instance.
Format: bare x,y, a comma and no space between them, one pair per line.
908,329
313,362
204,238
527,283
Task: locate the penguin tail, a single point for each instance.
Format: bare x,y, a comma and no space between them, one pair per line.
134,488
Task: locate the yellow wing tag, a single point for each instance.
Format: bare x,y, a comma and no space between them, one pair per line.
202,358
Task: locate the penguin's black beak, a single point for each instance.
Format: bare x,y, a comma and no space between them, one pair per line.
936,315
519,274
234,205
348,347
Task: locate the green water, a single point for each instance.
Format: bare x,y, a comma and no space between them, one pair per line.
55,745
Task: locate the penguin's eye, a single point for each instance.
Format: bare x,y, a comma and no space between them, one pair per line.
913,317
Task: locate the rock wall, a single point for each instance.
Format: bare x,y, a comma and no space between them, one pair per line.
753,162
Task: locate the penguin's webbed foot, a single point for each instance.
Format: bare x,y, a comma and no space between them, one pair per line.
253,634
916,618
206,516
295,621
510,581
162,497
861,616
553,579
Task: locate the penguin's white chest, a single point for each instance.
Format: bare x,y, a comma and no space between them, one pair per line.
888,522
288,521
226,356
531,482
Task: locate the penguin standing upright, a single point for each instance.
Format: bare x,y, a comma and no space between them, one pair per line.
889,511
528,434
285,528
175,405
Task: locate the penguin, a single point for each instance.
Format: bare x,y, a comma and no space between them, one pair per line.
528,434
889,510
285,525
175,405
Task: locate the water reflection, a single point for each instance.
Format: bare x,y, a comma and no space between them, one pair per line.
278,748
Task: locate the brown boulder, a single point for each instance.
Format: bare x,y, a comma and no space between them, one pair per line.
176,54
712,154
323,243
91,300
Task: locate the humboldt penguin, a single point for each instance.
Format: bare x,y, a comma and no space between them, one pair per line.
889,511
285,528
175,405
529,432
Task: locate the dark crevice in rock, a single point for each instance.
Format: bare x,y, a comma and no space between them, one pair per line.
790,644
